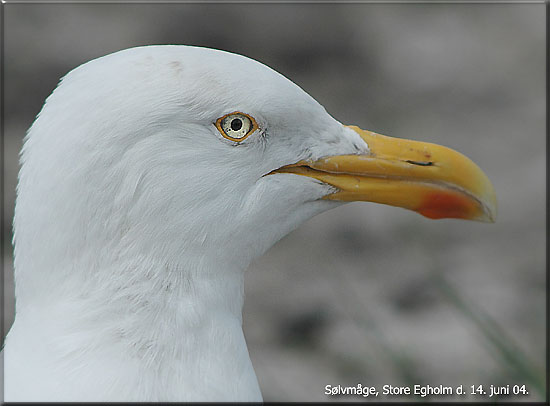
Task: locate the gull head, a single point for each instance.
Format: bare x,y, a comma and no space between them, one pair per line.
186,152
149,181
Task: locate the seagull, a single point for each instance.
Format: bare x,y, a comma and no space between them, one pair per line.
149,181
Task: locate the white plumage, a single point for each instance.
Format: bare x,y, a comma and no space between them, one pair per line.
136,219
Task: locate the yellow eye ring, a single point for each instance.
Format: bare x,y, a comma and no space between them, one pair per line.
236,126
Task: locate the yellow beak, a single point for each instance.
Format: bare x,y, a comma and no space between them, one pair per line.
430,179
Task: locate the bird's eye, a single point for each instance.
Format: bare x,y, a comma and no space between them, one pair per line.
236,126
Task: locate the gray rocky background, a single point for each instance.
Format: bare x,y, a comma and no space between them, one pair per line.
365,293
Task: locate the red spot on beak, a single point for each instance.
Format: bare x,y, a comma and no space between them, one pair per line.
448,204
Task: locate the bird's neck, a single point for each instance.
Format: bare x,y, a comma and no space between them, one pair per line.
168,332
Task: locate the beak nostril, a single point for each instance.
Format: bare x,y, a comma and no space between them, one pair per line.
420,163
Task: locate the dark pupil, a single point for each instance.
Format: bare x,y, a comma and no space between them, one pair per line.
236,124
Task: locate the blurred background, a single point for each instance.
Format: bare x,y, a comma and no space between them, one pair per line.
365,293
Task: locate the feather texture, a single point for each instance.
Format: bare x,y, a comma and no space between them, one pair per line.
135,221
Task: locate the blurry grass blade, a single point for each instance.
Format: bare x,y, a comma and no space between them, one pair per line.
509,353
